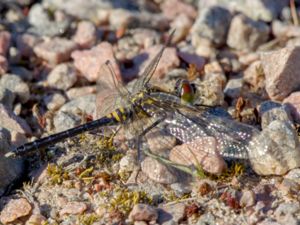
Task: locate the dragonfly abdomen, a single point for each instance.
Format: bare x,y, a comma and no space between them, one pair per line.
120,115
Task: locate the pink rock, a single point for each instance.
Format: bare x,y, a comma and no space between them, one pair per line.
293,100
15,208
25,44
143,212
85,35
56,50
12,122
192,59
281,69
203,152
73,208
3,65
172,8
283,30
91,63
4,42
168,61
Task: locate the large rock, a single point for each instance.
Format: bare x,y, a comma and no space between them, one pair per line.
247,34
275,150
212,24
281,69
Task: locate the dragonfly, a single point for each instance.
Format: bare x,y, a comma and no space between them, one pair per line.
123,109
172,111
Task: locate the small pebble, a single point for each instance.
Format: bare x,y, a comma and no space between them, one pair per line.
85,35
73,208
15,208
56,50
143,212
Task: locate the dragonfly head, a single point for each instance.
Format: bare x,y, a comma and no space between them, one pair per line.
185,90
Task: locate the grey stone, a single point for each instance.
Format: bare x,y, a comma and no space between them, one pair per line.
39,18
212,24
270,111
54,101
10,169
233,87
64,120
247,34
16,85
157,171
275,150
171,214
7,97
265,10
63,76
22,72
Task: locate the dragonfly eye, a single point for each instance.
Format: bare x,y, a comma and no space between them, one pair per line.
185,90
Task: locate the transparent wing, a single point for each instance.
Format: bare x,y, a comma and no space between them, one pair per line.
112,93
148,72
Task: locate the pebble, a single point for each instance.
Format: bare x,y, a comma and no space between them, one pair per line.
159,141
81,9
281,69
91,63
270,111
287,208
81,91
283,30
234,87
7,97
289,187
55,50
254,76
17,86
143,212
3,65
85,35
201,151
5,38
73,208
182,24
275,150
173,8
22,72
36,219
294,175
26,42
84,104
15,208
65,120
157,172
44,25
212,24
120,18
195,59
293,103
255,9
248,198
168,61
63,76
247,34
11,122
54,101
171,214
10,169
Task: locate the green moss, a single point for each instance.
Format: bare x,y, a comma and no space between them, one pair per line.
56,174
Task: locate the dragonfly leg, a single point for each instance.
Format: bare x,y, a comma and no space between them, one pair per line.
137,169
